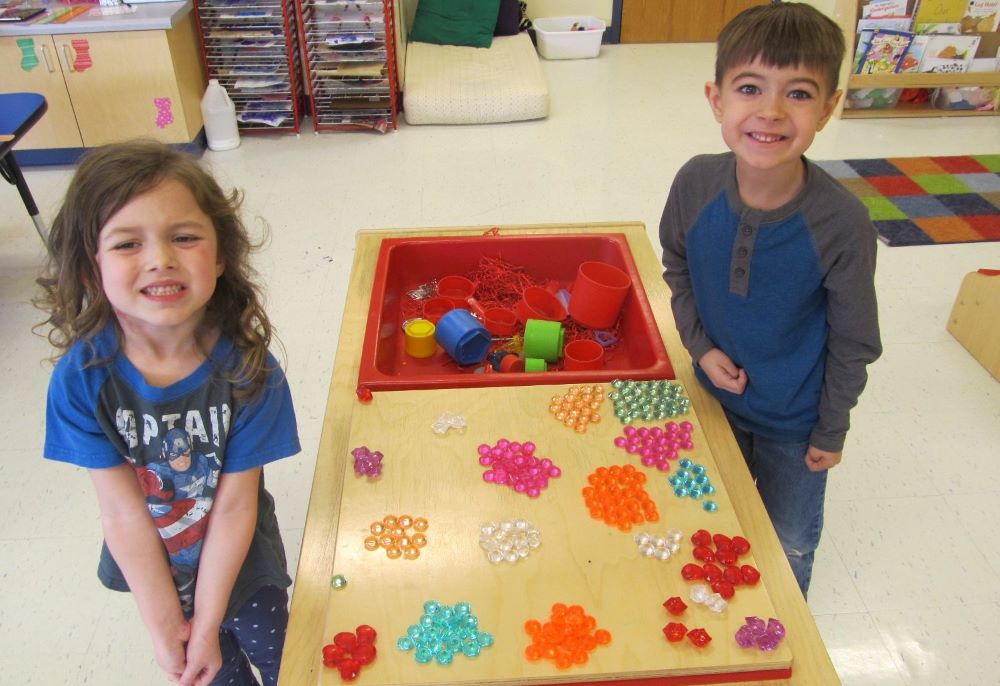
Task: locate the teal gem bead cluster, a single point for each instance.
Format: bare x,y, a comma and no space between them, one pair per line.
442,632
648,400
691,481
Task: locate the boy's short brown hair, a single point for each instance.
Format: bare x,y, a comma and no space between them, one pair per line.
782,35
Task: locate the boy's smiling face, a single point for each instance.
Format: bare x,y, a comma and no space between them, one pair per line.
770,115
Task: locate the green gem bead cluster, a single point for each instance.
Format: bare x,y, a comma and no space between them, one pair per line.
648,400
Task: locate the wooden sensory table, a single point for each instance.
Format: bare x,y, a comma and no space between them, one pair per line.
580,561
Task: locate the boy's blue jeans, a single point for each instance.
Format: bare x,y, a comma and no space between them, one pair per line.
792,494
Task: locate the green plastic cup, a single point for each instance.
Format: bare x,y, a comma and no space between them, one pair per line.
534,364
543,339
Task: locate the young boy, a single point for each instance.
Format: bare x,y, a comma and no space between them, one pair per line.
771,264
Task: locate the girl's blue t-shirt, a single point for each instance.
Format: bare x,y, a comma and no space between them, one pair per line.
179,439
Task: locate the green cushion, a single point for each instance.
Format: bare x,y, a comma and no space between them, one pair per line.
456,22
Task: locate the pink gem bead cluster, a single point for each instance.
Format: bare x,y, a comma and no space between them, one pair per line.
515,465
655,446
367,462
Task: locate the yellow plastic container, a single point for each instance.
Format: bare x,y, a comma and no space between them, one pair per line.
419,336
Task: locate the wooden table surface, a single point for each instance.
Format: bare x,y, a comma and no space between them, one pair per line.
316,609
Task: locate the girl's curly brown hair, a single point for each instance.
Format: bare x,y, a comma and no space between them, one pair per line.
106,180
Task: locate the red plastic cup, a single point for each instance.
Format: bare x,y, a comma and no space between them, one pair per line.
583,353
457,289
511,363
434,308
538,303
598,294
500,321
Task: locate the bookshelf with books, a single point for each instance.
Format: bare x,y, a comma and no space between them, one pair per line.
920,58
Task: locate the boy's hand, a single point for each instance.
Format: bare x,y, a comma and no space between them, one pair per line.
817,460
204,658
723,372
170,651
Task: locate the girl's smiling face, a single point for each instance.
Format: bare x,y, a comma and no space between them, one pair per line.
159,262
770,115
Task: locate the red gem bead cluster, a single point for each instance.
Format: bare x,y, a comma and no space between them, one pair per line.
349,651
515,465
719,564
567,638
392,535
675,632
655,446
616,496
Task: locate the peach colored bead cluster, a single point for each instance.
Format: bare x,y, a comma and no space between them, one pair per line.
616,496
578,407
392,535
567,638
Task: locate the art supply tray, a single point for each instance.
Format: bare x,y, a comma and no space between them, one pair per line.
406,264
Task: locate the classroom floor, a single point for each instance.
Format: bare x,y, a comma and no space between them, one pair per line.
905,585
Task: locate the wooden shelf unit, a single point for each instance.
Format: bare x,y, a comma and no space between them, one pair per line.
351,62
252,48
846,13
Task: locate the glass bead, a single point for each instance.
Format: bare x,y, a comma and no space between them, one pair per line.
405,521
338,581
413,631
420,524
710,506
708,489
485,639
423,655
371,543
700,593
404,643
418,540
390,521
386,541
411,553
393,552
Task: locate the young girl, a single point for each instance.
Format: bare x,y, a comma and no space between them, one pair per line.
166,392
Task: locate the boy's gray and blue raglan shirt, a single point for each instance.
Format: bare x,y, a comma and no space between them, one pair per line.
179,440
787,294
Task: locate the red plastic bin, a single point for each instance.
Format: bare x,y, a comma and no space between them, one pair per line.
406,263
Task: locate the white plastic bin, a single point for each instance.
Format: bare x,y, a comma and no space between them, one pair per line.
557,39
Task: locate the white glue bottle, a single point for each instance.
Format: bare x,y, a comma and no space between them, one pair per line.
219,114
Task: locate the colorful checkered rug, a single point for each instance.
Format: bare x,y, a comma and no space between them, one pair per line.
927,200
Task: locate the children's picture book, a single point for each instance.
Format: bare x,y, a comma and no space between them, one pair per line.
864,40
949,53
884,8
20,13
981,16
915,53
939,16
886,51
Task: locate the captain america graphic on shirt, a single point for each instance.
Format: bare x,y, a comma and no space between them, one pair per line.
179,489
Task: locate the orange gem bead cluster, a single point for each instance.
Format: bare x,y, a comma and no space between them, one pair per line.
578,407
392,534
616,496
567,638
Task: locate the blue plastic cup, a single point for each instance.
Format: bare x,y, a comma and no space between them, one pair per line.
463,337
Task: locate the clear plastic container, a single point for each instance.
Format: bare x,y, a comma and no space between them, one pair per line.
219,115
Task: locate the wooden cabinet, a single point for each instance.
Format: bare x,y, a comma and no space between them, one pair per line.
678,21
29,64
846,13
112,86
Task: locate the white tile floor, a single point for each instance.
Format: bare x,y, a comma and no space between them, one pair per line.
905,585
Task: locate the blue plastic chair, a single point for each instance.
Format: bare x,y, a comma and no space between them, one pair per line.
18,113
